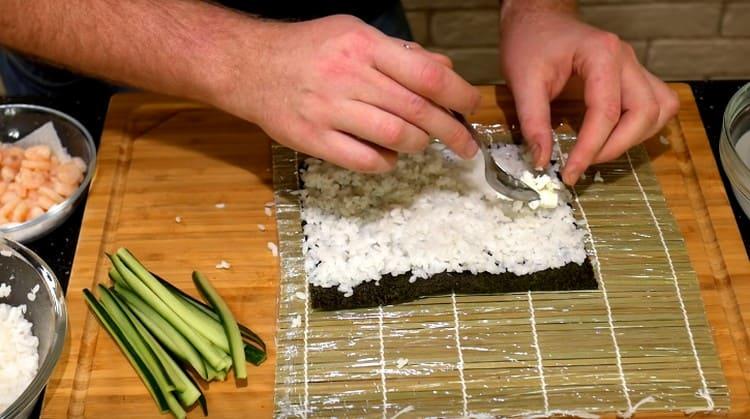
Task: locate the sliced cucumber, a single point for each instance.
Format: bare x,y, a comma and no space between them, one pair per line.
164,331
231,329
247,335
202,323
217,358
115,312
116,278
140,368
186,391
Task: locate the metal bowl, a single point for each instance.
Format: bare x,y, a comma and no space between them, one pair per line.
46,312
736,125
18,120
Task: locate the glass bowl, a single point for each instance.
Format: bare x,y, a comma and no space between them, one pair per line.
46,312
18,120
734,145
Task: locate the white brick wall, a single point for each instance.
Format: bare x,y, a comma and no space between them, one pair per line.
675,39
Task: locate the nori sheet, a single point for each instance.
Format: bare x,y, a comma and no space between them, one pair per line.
398,289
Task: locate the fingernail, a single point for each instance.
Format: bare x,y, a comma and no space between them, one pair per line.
470,149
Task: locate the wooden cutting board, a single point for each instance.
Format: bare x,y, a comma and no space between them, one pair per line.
162,158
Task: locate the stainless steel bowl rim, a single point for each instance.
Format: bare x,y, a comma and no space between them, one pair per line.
730,159
90,168
49,363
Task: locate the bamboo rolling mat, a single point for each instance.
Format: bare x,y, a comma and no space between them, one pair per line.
640,342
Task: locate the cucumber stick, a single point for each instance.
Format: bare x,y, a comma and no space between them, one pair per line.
151,343
141,348
194,304
211,373
117,310
164,331
253,355
236,346
217,358
186,391
127,349
206,326
116,278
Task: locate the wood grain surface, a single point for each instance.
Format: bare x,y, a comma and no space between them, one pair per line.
161,158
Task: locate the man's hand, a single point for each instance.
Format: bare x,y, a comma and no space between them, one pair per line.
334,88
542,46
337,89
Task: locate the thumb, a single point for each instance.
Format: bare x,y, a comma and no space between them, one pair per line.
532,106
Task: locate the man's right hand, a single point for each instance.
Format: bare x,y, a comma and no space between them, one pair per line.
338,89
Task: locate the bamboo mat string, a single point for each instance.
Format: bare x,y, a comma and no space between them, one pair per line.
403,411
631,412
539,363
305,353
602,284
702,375
708,409
383,387
457,334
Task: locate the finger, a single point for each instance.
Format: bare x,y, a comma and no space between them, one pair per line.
601,76
669,102
375,125
390,96
640,116
346,151
532,106
441,58
426,77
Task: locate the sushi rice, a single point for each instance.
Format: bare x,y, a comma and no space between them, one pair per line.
434,213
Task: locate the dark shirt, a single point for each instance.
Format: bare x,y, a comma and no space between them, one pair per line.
311,9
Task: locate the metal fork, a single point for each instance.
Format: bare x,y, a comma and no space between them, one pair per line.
500,180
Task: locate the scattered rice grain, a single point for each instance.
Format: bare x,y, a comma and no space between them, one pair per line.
273,248
31,296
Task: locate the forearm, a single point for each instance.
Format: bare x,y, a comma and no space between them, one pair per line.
171,46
